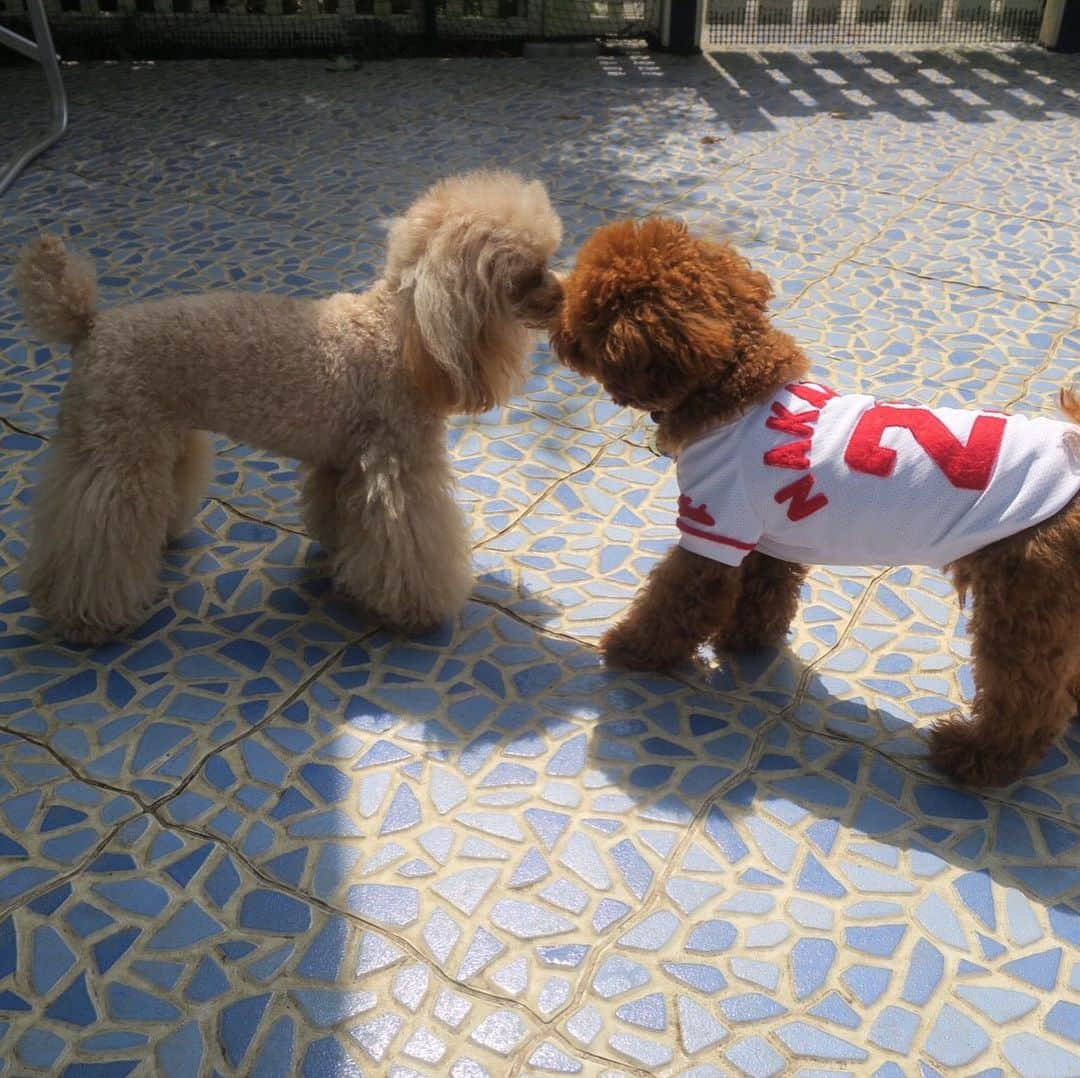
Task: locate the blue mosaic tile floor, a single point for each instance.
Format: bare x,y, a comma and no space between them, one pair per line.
262,837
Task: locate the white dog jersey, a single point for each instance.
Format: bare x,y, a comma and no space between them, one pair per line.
813,477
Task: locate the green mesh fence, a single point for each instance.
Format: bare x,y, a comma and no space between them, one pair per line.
871,22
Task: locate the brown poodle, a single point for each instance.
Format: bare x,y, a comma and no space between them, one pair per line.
776,472
358,387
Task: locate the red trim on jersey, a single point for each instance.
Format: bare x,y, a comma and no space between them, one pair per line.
713,537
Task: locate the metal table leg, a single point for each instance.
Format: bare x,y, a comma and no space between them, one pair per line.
41,49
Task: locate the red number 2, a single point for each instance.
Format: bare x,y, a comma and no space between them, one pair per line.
968,467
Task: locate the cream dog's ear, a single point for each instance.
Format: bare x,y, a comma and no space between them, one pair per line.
433,383
444,305
462,338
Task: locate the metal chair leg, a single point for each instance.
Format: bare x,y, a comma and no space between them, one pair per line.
40,49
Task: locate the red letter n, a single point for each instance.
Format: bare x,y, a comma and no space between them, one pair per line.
797,493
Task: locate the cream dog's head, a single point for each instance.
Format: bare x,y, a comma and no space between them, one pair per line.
469,261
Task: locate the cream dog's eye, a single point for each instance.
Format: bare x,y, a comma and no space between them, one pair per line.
527,282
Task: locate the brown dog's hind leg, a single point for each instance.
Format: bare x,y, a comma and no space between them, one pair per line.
686,599
768,601
1025,642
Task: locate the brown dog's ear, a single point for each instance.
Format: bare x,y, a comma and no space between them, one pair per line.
687,345
747,287
710,343
642,360
655,354
626,345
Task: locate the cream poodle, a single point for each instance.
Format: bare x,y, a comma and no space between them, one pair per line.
358,387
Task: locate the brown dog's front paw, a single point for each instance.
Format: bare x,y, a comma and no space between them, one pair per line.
960,748
626,645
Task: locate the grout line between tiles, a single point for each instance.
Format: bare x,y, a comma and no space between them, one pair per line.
851,185
546,493
589,429
789,714
521,1058
29,896
524,1053
871,264
277,525
330,661
399,940
74,770
154,809
338,911
975,208
22,430
151,806
733,780
555,634
1051,356
656,890
901,764
852,256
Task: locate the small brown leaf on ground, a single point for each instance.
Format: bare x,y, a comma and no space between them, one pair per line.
711,140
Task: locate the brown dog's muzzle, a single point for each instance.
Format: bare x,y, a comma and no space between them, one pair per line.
540,306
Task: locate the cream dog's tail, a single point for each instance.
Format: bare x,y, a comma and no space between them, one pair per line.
58,289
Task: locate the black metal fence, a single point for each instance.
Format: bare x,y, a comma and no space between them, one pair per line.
161,29
871,22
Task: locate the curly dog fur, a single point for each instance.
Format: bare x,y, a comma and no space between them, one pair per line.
356,386
678,326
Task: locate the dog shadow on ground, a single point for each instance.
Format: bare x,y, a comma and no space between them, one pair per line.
829,779
777,775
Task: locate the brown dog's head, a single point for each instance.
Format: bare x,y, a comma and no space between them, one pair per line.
654,314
